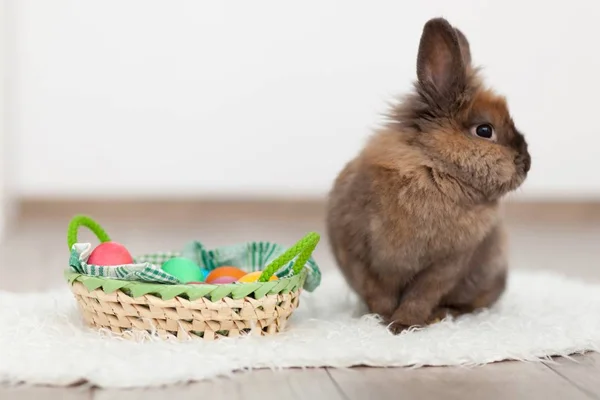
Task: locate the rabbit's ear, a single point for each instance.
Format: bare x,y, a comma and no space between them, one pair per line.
465,48
441,65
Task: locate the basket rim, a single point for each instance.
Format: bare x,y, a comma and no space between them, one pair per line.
213,292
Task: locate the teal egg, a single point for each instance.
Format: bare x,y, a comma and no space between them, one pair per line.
183,269
205,273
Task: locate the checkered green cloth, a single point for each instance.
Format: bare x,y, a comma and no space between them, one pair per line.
252,256
140,271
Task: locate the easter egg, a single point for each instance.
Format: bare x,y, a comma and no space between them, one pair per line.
253,277
110,253
204,274
223,280
183,269
225,271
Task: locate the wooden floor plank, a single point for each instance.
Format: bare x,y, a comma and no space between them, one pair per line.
256,385
24,392
41,233
507,380
582,371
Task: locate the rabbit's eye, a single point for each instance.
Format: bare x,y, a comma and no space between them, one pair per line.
485,131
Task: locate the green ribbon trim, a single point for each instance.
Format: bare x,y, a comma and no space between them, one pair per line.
191,292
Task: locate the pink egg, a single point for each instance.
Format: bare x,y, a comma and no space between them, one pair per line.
110,253
223,279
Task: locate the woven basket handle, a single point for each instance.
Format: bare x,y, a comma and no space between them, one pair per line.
82,220
303,249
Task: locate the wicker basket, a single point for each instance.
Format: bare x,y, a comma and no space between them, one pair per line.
206,311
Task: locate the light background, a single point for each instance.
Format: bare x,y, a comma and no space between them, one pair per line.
269,98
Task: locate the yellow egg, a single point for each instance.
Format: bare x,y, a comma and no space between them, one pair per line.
253,277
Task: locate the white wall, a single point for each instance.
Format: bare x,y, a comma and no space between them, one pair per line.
4,187
256,98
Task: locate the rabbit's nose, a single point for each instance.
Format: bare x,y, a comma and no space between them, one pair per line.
523,161
527,163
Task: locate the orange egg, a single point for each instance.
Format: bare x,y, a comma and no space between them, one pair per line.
225,271
253,277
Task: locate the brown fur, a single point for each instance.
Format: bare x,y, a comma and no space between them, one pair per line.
413,219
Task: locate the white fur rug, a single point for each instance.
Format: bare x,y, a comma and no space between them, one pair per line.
42,339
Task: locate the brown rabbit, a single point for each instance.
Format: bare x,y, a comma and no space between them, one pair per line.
413,220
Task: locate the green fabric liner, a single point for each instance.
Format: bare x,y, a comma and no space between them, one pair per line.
192,292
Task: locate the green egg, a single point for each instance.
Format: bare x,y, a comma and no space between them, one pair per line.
183,269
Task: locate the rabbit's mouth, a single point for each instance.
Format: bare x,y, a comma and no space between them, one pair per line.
493,184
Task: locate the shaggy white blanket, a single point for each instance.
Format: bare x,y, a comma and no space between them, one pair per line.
43,341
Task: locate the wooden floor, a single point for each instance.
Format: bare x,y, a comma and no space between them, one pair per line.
563,238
